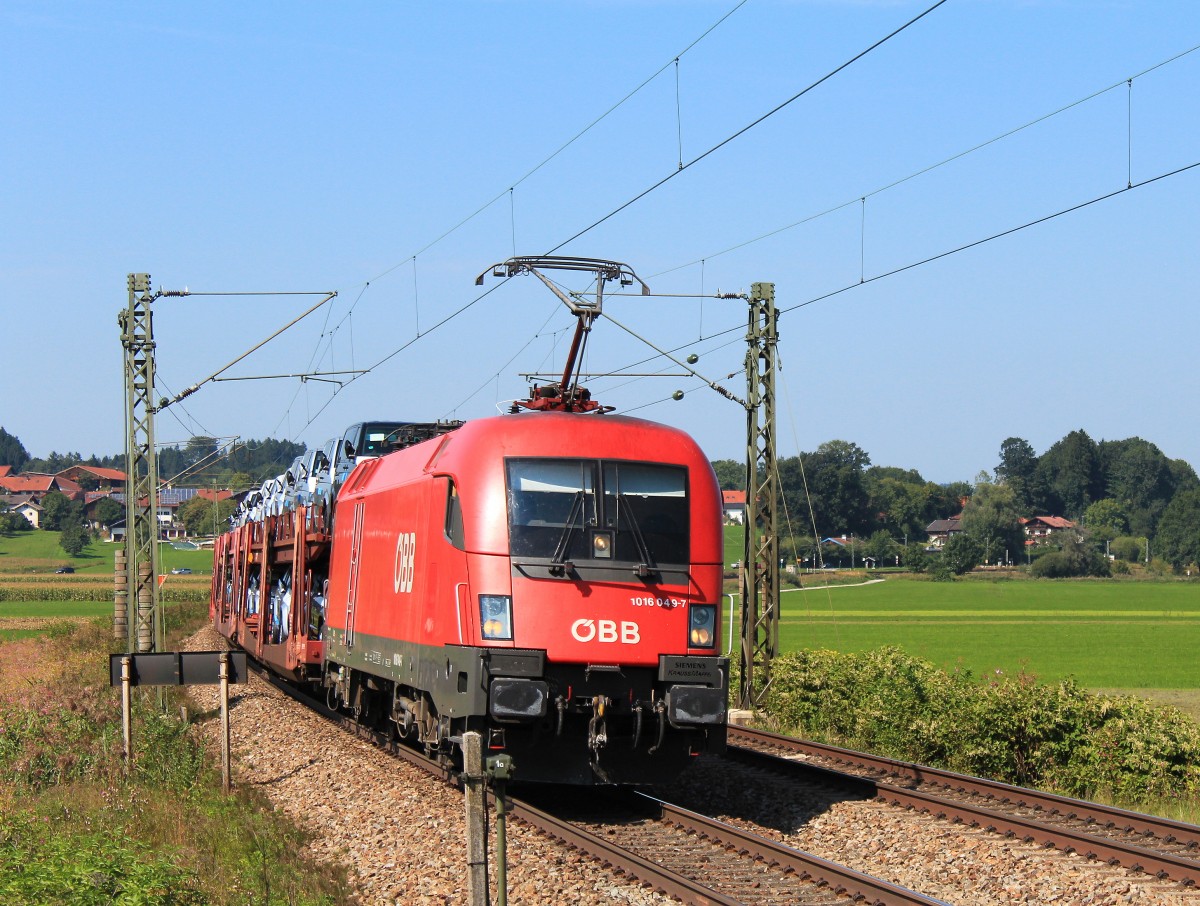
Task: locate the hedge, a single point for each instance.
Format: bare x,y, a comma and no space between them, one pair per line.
1054,736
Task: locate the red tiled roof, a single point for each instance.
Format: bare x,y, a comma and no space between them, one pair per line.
209,494
1057,522
37,484
5,471
96,471
733,497
22,484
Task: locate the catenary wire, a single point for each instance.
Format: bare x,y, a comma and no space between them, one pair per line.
932,258
740,132
931,167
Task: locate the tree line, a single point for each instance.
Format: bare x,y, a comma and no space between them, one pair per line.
1125,496
201,462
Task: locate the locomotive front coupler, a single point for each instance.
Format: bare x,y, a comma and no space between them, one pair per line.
597,726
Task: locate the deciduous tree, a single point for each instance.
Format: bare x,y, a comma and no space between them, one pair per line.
55,507
201,516
962,553
990,519
731,475
74,538
835,486
107,511
1105,520
1178,538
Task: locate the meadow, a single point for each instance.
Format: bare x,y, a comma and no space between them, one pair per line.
1136,636
1106,634
38,552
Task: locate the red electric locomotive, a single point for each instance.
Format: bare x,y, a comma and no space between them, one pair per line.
550,579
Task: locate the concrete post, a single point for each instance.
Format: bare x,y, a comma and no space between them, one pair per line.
476,800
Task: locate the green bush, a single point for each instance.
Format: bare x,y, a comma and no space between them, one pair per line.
47,861
1014,729
1127,548
1075,558
1052,565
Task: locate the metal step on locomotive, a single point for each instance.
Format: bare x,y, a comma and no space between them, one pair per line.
550,578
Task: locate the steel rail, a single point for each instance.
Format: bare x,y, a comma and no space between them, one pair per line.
1087,842
610,854
861,888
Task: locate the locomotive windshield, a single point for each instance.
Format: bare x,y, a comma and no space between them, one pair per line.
598,510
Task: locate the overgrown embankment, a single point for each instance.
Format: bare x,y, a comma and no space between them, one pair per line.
76,826
1012,728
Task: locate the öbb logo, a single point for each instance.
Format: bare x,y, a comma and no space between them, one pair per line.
406,560
627,632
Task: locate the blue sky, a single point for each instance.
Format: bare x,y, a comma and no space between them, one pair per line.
311,147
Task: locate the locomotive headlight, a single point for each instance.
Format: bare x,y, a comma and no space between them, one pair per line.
702,625
495,617
602,545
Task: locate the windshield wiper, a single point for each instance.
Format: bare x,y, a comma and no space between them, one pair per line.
564,541
647,565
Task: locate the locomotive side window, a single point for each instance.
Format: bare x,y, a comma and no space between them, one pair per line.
589,510
454,518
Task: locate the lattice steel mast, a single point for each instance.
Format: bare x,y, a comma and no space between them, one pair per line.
145,630
760,559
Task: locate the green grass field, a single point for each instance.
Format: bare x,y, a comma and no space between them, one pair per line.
38,552
32,557
1128,635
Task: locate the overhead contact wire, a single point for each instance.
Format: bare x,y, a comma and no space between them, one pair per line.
920,263
942,163
721,144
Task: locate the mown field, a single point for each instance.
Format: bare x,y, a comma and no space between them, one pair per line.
1126,634
1135,636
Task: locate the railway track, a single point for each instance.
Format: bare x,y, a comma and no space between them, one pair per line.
681,853
702,860
1157,846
